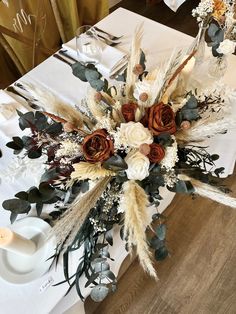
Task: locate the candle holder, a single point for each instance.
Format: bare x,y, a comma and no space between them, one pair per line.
20,268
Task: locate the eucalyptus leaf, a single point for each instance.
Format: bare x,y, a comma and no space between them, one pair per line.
101,266
54,129
34,196
99,293
26,120
40,121
35,153
78,69
212,29
109,274
97,84
16,206
39,208
156,243
191,103
161,231
13,217
92,75
161,253
115,163
22,195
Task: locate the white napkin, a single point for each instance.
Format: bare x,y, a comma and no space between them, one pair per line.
8,106
112,58
174,4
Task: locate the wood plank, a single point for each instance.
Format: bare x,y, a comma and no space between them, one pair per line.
200,274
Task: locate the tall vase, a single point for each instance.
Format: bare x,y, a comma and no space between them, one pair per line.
217,67
199,44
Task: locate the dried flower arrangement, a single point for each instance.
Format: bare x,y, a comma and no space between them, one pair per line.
105,164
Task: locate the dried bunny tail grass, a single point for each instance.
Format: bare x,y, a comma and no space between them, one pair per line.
54,104
211,192
71,221
94,106
134,203
87,170
134,60
205,128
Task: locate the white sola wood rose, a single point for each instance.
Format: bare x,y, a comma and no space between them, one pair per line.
134,134
226,47
138,166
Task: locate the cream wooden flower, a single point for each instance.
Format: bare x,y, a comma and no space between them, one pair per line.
138,166
134,134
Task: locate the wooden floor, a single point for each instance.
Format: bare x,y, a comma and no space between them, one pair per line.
199,277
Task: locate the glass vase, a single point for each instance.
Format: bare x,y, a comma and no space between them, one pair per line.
217,67
199,44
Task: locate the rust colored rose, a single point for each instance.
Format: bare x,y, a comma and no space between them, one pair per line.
97,146
128,111
157,153
161,119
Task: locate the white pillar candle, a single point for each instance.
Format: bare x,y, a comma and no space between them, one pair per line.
15,243
188,68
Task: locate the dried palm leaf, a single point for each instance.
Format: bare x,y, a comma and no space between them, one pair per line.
86,170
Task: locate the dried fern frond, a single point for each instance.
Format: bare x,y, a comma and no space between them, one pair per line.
211,192
134,205
134,59
68,225
86,170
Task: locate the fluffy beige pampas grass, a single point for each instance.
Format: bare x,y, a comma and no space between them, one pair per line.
134,205
86,170
134,60
211,192
70,222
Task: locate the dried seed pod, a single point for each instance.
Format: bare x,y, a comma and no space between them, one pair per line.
144,149
143,97
138,69
185,125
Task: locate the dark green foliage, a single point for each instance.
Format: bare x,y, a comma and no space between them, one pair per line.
115,163
216,34
189,111
157,242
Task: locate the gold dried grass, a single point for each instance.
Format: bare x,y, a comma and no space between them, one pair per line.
134,204
86,170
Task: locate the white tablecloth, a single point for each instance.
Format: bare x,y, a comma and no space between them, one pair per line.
158,43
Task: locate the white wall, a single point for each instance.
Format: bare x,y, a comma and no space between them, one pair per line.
113,2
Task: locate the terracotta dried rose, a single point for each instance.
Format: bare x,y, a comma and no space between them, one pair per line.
157,153
97,146
128,111
160,118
